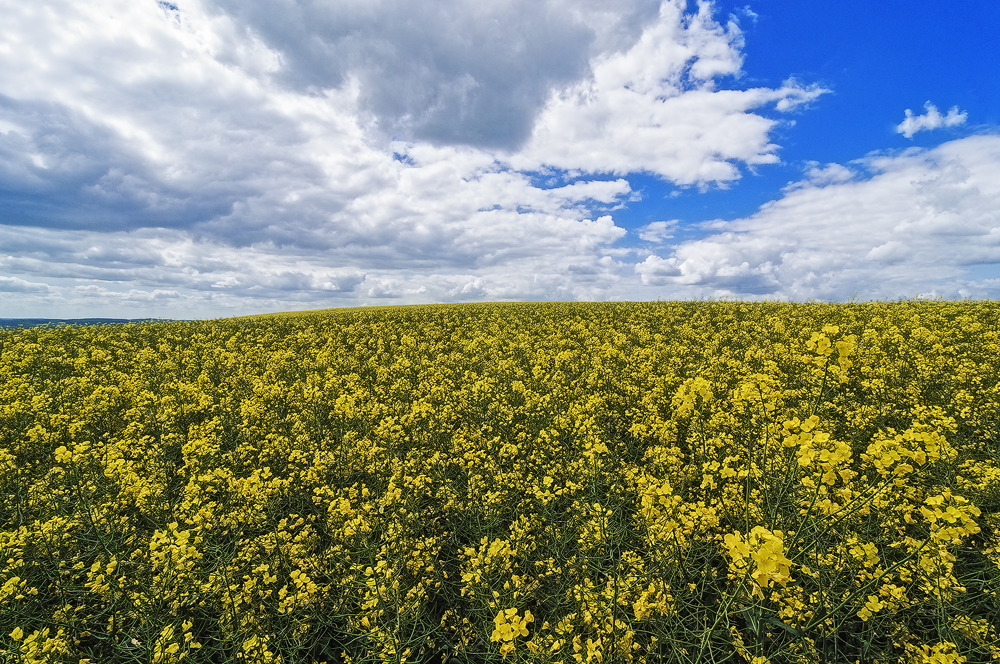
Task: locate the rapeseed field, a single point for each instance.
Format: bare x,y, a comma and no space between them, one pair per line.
561,483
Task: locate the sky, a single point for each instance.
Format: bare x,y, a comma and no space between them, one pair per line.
211,158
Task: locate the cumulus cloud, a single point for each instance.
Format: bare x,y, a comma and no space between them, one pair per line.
444,71
654,108
932,119
133,115
828,174
237,156
915,222
658,231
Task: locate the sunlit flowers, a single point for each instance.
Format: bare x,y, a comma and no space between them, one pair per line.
634,483
762,555
508,625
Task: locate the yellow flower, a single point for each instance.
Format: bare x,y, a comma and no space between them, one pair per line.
508,626
17,634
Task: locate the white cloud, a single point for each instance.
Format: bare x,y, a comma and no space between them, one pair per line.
15,285
226,157
831,173
904,223
889,253
654,108
930,120
444,71
749,13
658,231
656,271
918,221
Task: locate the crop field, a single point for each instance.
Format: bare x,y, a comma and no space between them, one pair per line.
690,482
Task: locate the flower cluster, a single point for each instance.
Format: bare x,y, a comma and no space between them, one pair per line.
761,556
554,483
509,626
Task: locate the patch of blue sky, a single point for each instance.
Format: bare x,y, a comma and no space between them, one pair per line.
653,199
690,206
983,271
877,59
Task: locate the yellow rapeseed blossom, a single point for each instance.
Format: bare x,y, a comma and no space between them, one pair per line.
644,482
765,550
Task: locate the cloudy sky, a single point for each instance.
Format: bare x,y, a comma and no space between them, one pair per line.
209,158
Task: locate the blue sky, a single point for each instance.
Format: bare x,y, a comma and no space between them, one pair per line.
208,158
875,58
